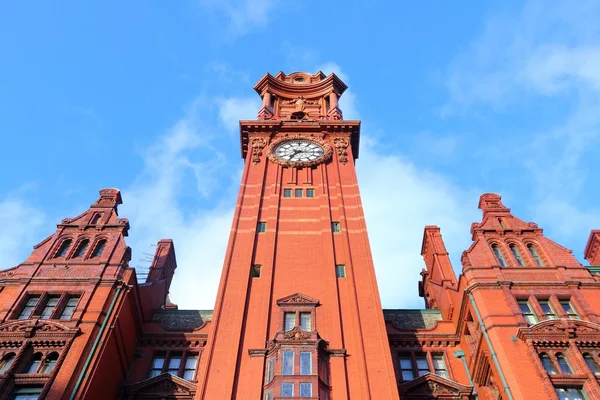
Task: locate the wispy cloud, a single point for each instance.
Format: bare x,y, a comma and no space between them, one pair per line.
243,15
234,109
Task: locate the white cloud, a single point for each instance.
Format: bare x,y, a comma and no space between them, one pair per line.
348,102
20,227
234,109
243,15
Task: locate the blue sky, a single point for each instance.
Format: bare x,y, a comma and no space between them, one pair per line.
145,96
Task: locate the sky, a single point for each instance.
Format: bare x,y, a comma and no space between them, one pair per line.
456,99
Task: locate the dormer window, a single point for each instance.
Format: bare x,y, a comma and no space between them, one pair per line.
536,256
64,248
499,255
96,219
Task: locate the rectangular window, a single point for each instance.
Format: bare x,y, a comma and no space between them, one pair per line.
335,227
287,363
289,321
174,364
305,389
305,321
305,363
406,368
422,365
570,393
261,227
49,307
26,393
439,365
270,370
189,372
69,309
287,389
255,271
547,309
29,307
158,362
323,371
568,309
269,395
287,192
529,316
298,192
340,271
310,192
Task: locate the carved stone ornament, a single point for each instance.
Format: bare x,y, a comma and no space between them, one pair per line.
560,330
432,385
28,328
327,152
257,145
297,334
341,144
297,299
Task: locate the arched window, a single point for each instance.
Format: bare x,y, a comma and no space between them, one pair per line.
563,364
49,363
99,248
81,248
591,363
6,362
34,364
499,255
64,247
96,219
548,364
515,250
535,255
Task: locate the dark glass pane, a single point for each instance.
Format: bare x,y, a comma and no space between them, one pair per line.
99,248
81,248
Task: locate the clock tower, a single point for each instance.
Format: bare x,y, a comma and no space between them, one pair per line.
298,313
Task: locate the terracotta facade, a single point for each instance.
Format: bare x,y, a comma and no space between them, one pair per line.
298,313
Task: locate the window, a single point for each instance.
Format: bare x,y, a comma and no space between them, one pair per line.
289,321
309,193
502,223
305,321
529,316
174,364
570,393
99,248
439,365
406,368
323,371
547,309
29,307
568,309
535,255
69,309
515,251
499,255
563,364
6,362
548,364
158,362
287,192
64,247
50,306
261,227
287,363
287,389
305,389
340,271
96,219
298,193
305,363
49,363
270,370
255,271
422,366
34,363
335,227
591,363
81,248
269,395
189,371
26,393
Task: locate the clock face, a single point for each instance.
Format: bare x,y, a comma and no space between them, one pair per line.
299,151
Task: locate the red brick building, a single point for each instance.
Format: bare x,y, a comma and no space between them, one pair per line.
298,313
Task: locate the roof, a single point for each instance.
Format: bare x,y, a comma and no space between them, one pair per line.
182,320
412,319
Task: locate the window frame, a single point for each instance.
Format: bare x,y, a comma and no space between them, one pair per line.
287,193
310,193
413,357
299,191
261,227
531,314
167,356
336,227
499,255
255,271
340,268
